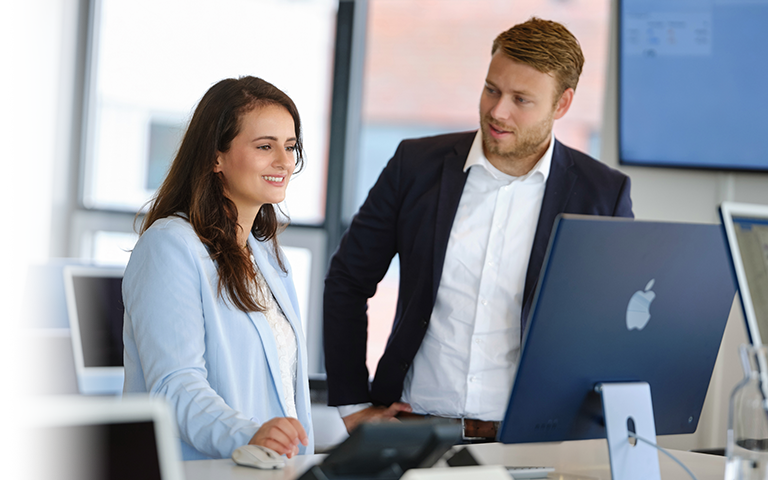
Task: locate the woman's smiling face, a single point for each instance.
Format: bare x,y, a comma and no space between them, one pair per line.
260,159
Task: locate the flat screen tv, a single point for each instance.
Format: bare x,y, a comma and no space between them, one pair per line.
692,84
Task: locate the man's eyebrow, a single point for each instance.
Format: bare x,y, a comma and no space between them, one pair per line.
525,93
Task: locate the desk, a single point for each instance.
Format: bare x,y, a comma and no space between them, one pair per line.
582,460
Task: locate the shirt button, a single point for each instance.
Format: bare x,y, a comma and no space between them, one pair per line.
472,378
484,301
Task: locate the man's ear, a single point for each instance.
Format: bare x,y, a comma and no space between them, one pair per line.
564,103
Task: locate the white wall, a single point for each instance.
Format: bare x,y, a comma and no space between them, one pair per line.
34,33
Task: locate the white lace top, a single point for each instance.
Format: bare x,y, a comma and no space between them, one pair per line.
285,338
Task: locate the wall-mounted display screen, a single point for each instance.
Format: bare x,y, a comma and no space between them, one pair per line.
692,83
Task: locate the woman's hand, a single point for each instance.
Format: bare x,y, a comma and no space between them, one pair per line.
281,434
375,414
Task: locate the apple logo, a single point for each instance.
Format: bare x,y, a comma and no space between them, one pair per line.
638,309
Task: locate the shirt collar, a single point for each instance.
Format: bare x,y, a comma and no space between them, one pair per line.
539,171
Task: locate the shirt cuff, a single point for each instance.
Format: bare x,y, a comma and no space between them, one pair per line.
347,410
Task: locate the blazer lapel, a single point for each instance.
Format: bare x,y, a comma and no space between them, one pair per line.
272,274
270,352
451,187
559,185
275,279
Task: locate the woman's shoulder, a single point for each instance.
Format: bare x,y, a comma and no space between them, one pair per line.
173,225
173,230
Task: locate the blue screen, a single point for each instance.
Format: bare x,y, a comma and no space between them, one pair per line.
692,83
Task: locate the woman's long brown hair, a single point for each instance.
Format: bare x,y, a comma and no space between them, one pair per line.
192,188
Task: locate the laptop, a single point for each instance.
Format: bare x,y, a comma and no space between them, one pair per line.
100,438
620,301
95,308
746,227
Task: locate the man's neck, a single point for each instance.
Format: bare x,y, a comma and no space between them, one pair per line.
517,166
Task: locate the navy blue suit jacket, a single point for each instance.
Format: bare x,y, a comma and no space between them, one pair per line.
410,211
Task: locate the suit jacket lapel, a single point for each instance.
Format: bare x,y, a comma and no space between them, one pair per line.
272,274
559,185
275,279
451,186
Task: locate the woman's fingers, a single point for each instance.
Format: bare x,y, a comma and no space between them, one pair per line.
282,434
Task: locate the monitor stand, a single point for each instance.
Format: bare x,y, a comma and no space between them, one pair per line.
628,407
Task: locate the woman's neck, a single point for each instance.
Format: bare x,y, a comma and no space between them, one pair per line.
245,219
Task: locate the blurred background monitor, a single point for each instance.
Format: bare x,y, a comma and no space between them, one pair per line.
101,438
95,307
746,226
691,83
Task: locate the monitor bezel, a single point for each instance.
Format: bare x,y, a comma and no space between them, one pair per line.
90,380
729,211
77,410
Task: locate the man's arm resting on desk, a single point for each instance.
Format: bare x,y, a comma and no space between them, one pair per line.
353,415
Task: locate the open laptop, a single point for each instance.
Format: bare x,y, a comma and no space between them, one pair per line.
95,309
746,226
100,438
620,301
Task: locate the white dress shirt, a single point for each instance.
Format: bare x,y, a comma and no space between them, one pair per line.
466,364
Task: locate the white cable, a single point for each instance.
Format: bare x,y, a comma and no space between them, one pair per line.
665,452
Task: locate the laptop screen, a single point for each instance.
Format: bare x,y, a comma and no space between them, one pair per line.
746,226
110,451
101,438
752,235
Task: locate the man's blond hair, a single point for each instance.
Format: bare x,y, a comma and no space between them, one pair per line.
546,46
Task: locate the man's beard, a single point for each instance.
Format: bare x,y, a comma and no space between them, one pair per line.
527,142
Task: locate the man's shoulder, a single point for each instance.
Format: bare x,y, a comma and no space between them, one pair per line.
570,158
437,144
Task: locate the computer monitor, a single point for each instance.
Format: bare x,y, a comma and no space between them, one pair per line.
746,226
100,438
95,308
620,301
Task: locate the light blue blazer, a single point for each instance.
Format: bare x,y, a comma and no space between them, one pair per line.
216,365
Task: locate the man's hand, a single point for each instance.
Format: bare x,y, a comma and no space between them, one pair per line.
375,414
281,434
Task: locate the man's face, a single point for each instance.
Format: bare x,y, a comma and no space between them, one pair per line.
517,111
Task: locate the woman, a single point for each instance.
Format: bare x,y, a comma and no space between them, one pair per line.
211,315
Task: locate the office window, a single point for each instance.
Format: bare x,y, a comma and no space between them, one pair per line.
425,64
152,60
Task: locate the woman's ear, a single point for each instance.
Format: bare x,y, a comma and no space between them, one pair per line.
219,162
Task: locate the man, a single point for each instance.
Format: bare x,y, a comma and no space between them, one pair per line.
470,215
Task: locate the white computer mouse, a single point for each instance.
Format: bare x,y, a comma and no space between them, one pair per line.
258,457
